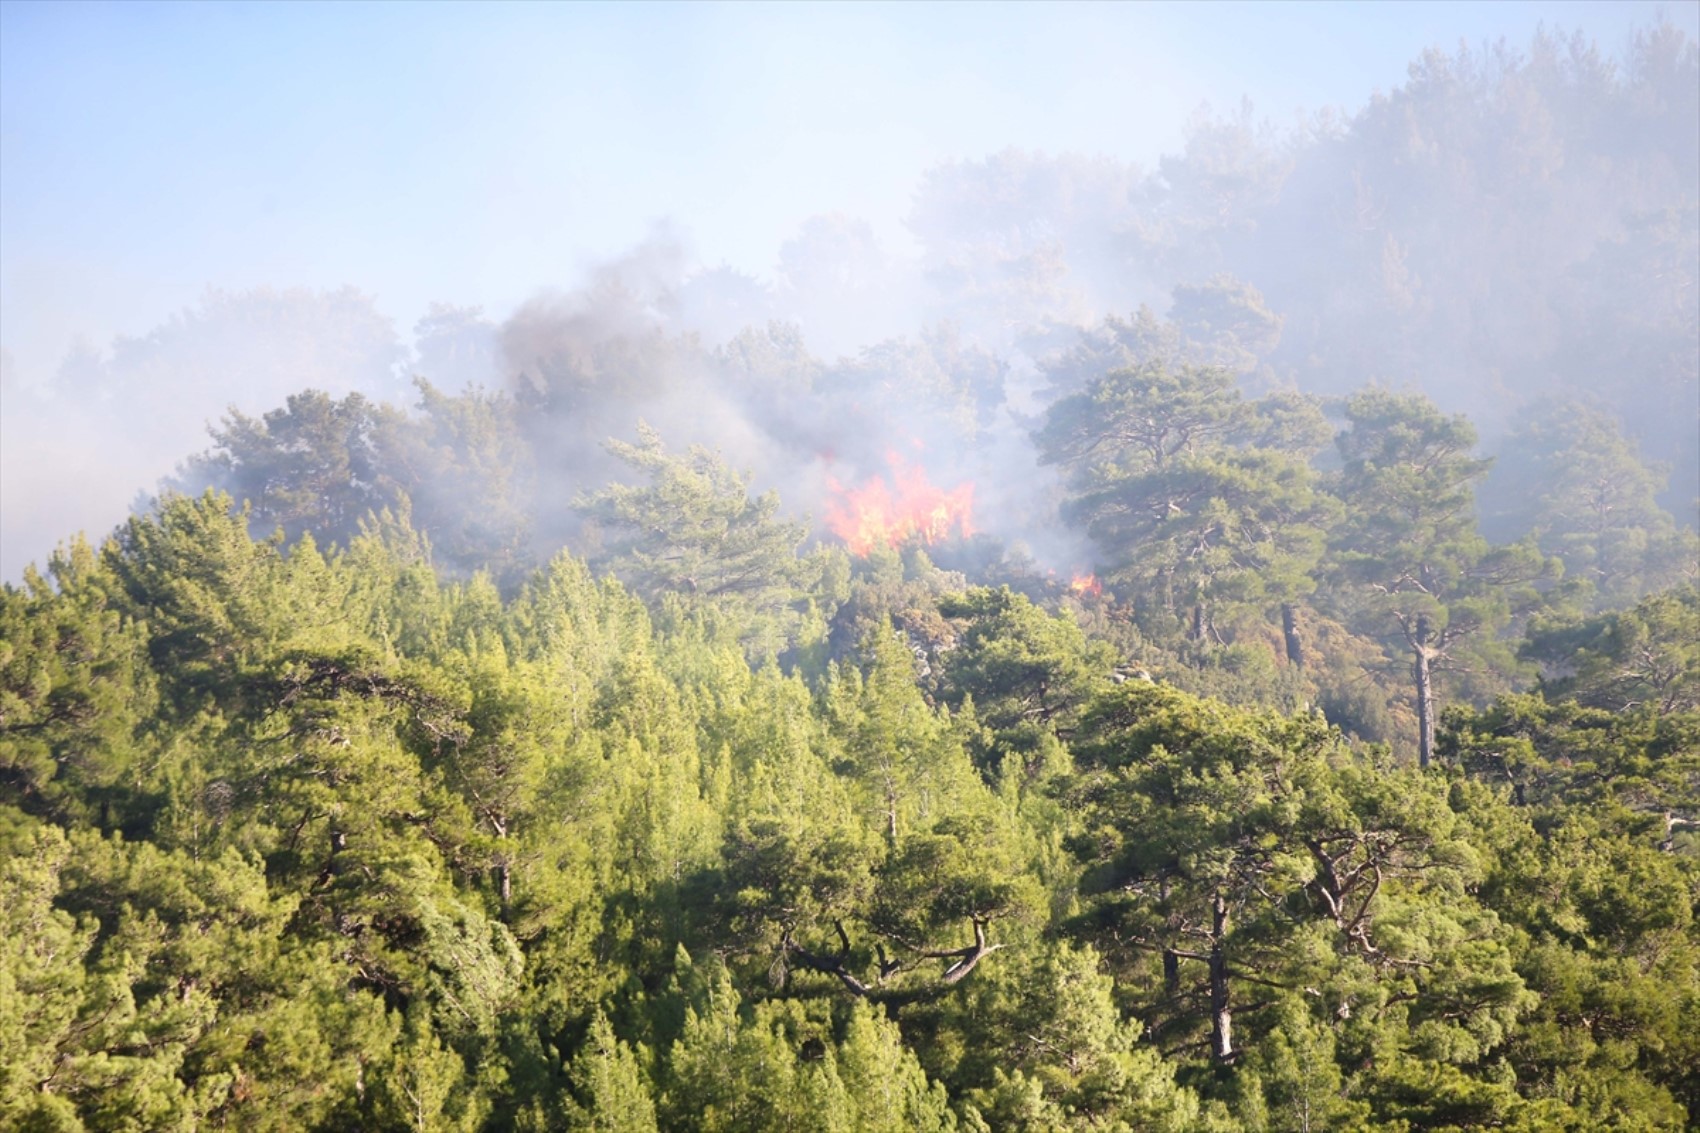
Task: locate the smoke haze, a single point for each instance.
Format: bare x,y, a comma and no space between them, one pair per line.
1494,225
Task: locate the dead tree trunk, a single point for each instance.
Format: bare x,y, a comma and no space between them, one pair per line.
966,958
836,964
828,965
333,863
1421,655
1221,1014
501,869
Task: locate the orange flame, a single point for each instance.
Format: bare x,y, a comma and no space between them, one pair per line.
881,514
1086,584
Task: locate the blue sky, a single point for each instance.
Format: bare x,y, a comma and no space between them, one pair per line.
474,154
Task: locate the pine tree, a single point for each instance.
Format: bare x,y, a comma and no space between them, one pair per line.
1419,574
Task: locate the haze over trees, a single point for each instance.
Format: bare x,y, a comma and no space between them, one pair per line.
1263,692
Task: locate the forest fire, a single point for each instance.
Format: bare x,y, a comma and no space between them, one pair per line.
888,514
1086,585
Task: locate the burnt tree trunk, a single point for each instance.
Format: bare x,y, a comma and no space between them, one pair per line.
1290,630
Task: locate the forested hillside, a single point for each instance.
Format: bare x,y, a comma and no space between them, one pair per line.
1042,719
307,840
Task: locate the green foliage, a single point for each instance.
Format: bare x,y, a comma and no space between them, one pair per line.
780,1066
323,466
1645,657
1596,864
1229,856
204,589
317,464
611,1094
1141,418
1417,572
1569,476
1208,516
75,688
296,840
1027,674
694,532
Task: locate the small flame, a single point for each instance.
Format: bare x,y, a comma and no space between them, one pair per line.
882,514
1086,584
